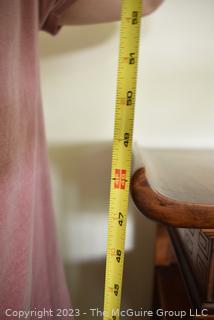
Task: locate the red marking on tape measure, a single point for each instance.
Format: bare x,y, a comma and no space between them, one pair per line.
120,179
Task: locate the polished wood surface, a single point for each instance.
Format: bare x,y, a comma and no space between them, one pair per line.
168,211
185,175
191,228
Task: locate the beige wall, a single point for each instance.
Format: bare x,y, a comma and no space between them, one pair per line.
175,88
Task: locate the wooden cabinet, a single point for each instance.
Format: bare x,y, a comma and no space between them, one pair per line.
184,254
183,273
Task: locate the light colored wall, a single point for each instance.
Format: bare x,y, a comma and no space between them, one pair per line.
174,109
175,88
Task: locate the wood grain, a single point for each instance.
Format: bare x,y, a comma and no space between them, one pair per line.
169,211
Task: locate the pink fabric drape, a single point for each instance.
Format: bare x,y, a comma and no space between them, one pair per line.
31,272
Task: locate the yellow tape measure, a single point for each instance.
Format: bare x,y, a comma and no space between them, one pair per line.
122,154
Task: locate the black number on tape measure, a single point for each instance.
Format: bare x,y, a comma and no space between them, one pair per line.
132,58
129,96
118,255
126,139
120,221
134,17
116,289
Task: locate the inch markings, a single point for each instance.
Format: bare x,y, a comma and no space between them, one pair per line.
121,154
